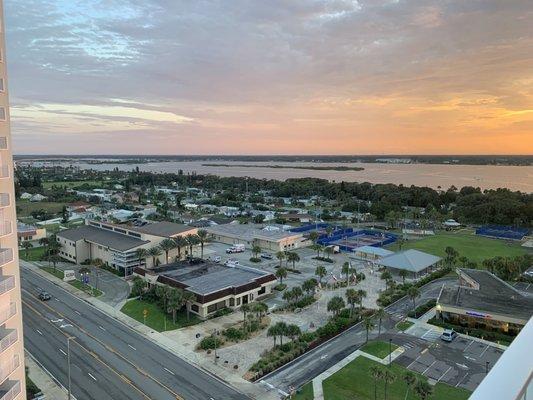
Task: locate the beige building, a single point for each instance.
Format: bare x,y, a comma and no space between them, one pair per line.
30,233
116,245
12,378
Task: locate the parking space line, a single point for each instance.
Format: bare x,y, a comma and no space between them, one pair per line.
430,365
415,360
461,381
442,376
468,345
483,352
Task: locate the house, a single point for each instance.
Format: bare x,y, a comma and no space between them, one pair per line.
215,286
30,233
116,245
38,197
25,196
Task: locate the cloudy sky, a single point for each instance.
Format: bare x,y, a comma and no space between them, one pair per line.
270,77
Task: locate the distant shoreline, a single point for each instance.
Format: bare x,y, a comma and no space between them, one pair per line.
332,168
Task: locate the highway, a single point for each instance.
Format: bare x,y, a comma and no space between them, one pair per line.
318,360
108,359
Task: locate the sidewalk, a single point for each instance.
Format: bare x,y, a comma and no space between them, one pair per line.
218,371
44,380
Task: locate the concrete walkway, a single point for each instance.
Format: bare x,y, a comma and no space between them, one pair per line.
44,381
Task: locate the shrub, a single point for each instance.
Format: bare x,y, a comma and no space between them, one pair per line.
221,312
280,287
324,259
234,334
308,337
476,332
422,309
210,342
255,259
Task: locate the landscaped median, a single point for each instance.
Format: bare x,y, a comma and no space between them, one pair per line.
76,283
378,348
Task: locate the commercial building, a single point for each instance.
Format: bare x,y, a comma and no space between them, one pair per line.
484,301
270,237
415,262
12,377
215,286
371,253
116,245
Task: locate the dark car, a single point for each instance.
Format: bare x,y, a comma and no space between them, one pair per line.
44,296
266,256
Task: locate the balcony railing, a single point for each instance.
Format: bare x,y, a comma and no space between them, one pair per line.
3,143
4,200
8,337
6,283
6,256
9,367
10,390
4,171
5,228
7,312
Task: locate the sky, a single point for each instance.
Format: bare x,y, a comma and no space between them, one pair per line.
270,77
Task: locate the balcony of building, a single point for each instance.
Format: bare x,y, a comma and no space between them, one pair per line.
10,390
3,143
4,200
6,284
7,312
6,256
5,228
7,338
8,367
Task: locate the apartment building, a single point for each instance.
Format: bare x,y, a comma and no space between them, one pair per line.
12,377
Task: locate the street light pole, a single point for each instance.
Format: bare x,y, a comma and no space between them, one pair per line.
487,367
68,363
390,352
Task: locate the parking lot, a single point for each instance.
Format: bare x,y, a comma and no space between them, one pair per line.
460,363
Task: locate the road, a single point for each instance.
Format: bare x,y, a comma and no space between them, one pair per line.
318,360
109,360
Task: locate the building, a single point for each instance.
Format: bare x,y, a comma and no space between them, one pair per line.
512,376
116,245
484,301
12,377
30,233
215,286
270,237
415,262
371,253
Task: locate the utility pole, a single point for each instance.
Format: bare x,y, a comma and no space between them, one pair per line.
68,362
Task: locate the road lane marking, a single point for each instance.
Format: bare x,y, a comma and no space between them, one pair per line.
65,326
91,375
463,366
424,351
324,357
169,371
415,360
132,347
101,327
55,321
39,332
470,358
62,351
442,376
77,312
430,365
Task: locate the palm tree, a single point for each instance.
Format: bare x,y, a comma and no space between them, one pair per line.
463,260
138,287
292,331
369,325
329,230
26,246
386,276
256,250
376,373
161,291
329,251
281,327
423,390
362,294
174,302
352,298
273,332
293,257
280,255
244,308
346,271
309,285
380,314
187,298
97,263
388,377
44,242
413,292
335,305
154,252
317,248
451,255
321,272
281,273
192,240
167,245
202,238
180,243
55,259
313,236
288,296
403,273
410,379
141,254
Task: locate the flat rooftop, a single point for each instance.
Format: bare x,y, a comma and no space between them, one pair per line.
410,260
113,240
494,296
252,231
208,277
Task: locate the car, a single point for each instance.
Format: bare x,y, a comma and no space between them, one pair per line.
217,259
448,335
231,263
44,296
266,256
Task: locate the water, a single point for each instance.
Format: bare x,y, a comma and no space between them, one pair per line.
431,175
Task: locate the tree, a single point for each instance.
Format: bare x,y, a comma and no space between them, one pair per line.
292,331
352,298
188,298
297,292
451,255
463,260
280,255
256,250
413,292
380,314
293,257
273,332
313,236
321,272
410,380
180,243
97,263
309,285
317,248
362,294
377,374
288,295
387,277
403,273
166,245
335,305
388,377
55,259
423,390
202,238
329,251
174,302
162,291
138,287
192,240
281,329
64,214
154,252
245,308
26,245
346,271
369,325
281,273
141,255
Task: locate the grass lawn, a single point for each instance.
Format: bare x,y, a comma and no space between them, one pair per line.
404,325
305,392
76,283
475,248
25,207
57,273
33,254
156,318
71,184
355,382
378,348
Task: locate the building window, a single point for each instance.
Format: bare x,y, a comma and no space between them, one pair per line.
2,85
261,291
232,302
238,301
195,308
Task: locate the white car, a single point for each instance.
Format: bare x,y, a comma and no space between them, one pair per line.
217,259
448,335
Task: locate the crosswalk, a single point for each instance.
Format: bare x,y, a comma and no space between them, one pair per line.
409,345
398,315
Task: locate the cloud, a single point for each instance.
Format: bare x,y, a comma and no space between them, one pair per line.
266,75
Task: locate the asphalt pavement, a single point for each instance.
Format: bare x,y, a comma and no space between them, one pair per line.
108,359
